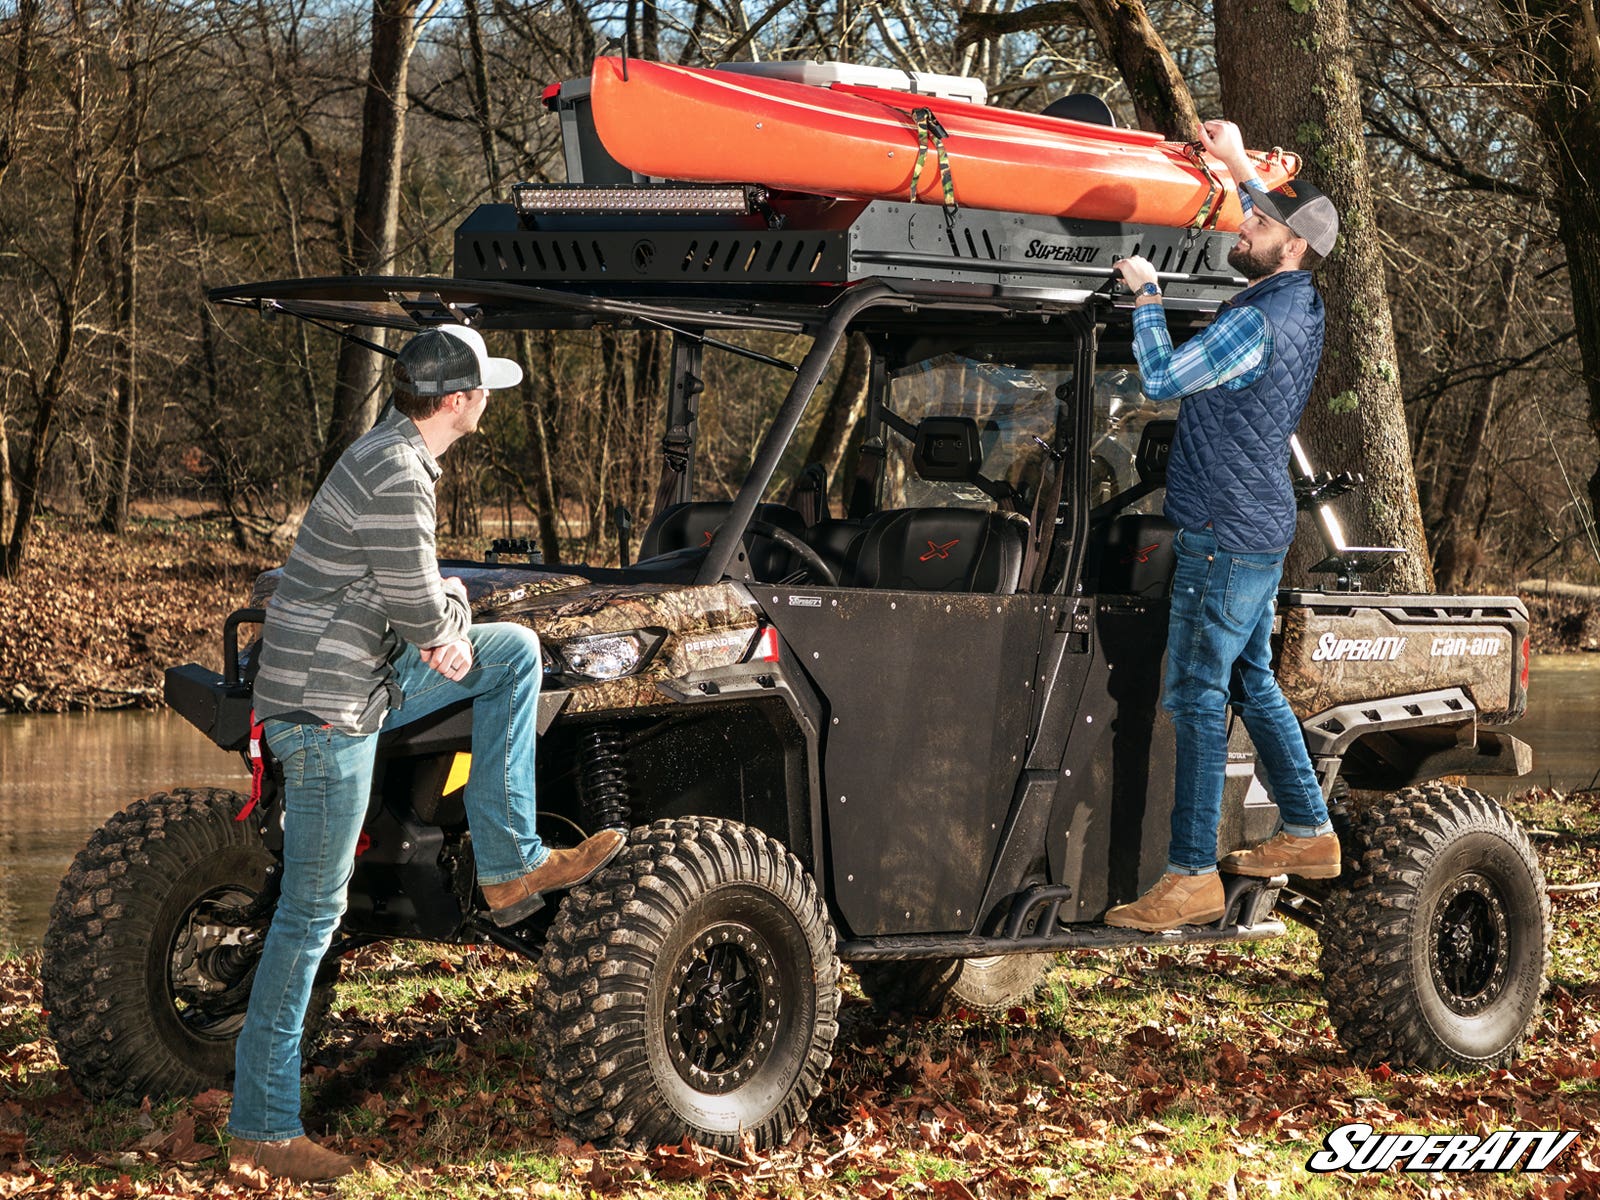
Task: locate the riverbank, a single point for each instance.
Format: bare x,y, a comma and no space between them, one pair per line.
93,620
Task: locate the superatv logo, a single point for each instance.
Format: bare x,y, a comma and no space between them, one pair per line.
1353,1147
1056,252
1338,649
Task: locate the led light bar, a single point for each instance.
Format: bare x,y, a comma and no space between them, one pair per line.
533,199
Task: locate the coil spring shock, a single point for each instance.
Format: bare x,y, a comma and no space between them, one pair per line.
607,793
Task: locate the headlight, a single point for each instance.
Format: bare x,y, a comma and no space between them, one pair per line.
603,656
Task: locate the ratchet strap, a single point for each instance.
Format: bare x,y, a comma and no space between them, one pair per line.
931,135
258,766
1210,210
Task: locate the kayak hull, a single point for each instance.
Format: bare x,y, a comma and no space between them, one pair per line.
695,125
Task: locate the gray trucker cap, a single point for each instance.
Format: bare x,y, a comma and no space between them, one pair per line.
1304,209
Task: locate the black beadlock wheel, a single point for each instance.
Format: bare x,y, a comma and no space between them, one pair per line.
147,967
1436,940
691,988
939,987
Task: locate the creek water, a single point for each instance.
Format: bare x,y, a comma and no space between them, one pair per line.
62,776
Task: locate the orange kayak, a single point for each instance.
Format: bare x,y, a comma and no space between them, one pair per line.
696,125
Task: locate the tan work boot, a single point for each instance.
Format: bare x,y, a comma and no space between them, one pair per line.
296,1158
1308,857
518,899
1175,900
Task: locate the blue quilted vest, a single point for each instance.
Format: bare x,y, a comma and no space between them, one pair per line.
1230,459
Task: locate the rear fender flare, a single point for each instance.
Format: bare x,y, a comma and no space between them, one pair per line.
1419,735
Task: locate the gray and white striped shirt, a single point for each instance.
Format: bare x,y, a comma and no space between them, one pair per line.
362,576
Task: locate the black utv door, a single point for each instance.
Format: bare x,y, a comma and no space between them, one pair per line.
929,697
927,655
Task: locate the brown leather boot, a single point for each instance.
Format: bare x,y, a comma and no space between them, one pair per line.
518,899
297,1158
1175,900
1308,857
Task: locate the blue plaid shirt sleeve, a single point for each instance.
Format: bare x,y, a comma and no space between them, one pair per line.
1232,352
1245,201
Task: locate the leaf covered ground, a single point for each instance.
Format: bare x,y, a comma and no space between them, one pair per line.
92,620
1191,1073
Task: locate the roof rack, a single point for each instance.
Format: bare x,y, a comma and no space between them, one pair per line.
621,240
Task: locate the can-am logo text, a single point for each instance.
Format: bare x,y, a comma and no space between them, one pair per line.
1338,649
1450,646
1354,1147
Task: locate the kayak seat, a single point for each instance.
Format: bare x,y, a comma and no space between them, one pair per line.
1132,555
686,526
940,550
1082,106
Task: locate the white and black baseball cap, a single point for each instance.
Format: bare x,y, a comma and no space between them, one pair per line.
1304,209
451,358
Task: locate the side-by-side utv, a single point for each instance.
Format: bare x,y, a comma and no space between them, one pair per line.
914,730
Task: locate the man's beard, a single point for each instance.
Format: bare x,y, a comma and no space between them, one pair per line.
1252,264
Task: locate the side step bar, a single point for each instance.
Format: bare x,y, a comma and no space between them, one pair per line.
1033,926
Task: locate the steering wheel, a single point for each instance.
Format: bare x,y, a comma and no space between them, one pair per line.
815,565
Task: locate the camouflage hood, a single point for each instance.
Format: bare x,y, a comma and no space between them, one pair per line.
699,627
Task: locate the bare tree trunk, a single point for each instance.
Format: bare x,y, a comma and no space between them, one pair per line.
481,102
395,24
22,78
844,410
533,414
49,391
1559,66
1452,554
650,32
1288,79
114,515
8,501
1160,96
10,137
533,403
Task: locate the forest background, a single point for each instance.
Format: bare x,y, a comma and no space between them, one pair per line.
150,149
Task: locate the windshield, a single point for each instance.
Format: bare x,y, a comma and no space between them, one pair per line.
1121,411
1015,403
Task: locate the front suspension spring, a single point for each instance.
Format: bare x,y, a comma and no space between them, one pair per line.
607,790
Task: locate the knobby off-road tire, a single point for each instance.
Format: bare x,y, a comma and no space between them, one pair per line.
145,978
939,987
691,988
1436,940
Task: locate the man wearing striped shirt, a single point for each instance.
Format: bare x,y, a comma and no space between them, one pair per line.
363,635
1244,381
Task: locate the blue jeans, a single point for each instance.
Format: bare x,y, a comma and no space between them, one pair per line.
1220,628
327,784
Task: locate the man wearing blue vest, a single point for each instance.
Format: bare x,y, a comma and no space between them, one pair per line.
1244,381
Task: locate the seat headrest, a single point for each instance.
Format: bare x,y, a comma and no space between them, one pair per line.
947,450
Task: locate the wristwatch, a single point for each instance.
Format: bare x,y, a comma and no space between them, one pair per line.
1150,289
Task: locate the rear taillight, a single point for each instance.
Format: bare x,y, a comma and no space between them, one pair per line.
1527,660
766,646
